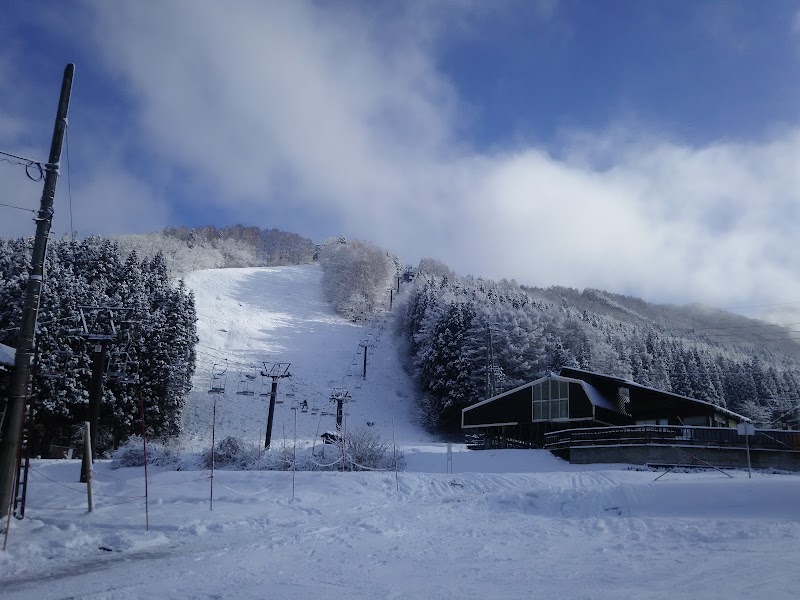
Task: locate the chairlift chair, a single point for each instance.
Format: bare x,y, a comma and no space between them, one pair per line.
129,378
50,375
218,379
289,397
117,364
246,385
176,386
122,369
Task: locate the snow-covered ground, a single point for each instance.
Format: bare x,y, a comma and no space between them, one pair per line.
502,524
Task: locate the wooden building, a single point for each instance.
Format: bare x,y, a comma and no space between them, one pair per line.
576,398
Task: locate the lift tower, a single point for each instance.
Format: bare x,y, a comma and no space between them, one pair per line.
275,372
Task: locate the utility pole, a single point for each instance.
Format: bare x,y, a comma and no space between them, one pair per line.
275,372
18,390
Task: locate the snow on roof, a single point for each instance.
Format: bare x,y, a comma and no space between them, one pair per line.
7,355
662,393
596,397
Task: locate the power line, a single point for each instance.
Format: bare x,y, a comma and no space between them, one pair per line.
13,159
18,207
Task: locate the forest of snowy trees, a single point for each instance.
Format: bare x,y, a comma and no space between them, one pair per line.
446,321
159,341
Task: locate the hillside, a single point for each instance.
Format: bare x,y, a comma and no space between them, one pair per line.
450,323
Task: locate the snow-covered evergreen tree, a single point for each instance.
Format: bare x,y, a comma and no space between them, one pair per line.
159,337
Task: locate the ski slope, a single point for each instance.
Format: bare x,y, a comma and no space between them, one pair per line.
501,524
248,317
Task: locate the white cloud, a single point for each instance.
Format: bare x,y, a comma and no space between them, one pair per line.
307,109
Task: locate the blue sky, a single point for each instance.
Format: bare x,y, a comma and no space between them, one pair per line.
698,71
649,148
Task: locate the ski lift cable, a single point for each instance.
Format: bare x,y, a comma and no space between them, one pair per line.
313,388
233,363
218,356
18,207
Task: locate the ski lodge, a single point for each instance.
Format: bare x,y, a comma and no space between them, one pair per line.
589,417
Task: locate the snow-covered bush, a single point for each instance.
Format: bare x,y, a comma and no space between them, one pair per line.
279,459
366,450
131,454
233,452
356,276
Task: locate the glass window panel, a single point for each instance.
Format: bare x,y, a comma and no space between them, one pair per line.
537,392
564,408
537,410
545,390
545,409
553,389
564,388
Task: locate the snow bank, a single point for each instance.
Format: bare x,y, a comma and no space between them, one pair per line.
549,532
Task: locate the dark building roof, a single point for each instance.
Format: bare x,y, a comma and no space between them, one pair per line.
645,402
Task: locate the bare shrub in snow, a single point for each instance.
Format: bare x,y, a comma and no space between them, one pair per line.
366,450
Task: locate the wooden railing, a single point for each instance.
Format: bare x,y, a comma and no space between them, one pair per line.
773,439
